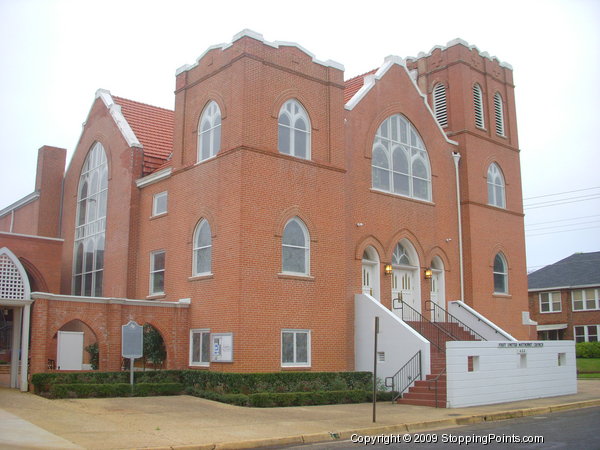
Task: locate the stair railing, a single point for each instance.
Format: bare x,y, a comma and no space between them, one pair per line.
406,376
436,335
435,380
438,311
479,320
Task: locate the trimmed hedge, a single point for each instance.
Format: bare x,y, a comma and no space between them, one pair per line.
587,350
275,382
273,399
80,390
242,389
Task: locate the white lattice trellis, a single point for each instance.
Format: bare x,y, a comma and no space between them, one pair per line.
12,285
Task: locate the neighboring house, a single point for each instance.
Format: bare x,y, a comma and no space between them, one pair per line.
242,224
564,298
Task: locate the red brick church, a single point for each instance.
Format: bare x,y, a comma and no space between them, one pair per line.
242,224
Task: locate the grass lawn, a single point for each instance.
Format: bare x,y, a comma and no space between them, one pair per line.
588,365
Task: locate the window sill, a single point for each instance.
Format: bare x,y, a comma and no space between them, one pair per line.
158,216
298,367
550,312
156,296
292,276
403,197
199,366
207,276
501,295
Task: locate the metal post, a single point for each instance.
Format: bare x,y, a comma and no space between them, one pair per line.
375,371
131,372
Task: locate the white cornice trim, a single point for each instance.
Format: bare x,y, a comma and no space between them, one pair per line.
154,177
459,41
371,80
120,121
45,238
182,303
259,37
20,203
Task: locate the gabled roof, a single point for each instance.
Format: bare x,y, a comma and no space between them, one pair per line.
353,85
578,270
153,127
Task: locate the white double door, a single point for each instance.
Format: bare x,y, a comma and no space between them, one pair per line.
405,288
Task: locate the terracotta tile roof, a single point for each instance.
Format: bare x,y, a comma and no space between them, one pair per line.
353,85
153,126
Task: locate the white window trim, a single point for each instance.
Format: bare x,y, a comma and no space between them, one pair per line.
196,249
586,334
306,249
209,113
155,202
304,114
308,363
201,331
412,152
153,272
505,274
494,173
584,299
550,294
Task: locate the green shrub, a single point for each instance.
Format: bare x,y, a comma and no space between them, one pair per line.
249,383
269,399
79,390
587,349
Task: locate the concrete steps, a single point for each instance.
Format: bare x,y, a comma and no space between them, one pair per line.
428,392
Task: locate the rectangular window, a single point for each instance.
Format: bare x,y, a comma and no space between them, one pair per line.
587,333
295,348
199,347
550,302
159,203
157,272
585,299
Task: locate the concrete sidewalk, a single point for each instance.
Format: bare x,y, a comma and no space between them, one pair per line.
29,421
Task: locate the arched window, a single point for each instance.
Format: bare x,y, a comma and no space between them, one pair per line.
400,163
440,109
295,248
209,132
202,264
90,225
400,256
478,106
499,113
294,130
495,184
500,274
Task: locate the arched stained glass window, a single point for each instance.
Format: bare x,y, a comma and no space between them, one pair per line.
209,132
202,264
90,226
294,130
295,248
400,163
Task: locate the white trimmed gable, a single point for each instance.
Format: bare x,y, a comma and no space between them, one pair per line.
120,121
371,80
259,37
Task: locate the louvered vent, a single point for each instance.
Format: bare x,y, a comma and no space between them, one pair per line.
478,105
439,104
499,114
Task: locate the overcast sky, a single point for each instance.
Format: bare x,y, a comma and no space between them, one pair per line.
55,54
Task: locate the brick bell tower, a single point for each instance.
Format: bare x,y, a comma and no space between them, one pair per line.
472,97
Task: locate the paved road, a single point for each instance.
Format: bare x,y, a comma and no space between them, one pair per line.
577,429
